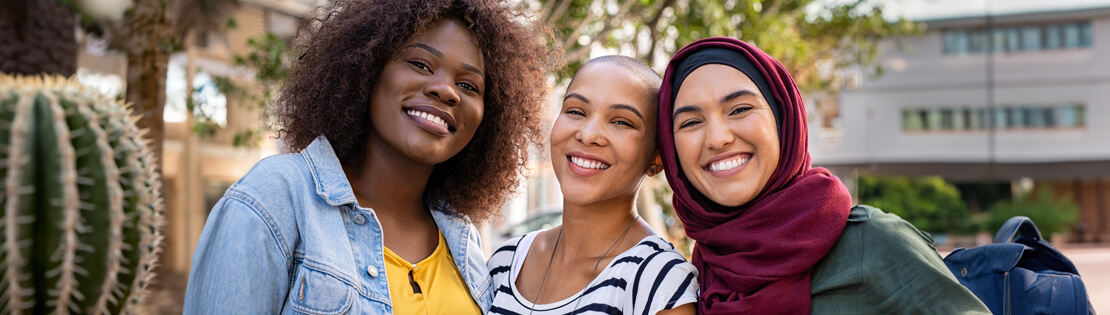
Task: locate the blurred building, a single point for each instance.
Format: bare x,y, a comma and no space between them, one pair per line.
197,170
1014,98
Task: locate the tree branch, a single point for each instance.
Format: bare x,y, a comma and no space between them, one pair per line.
563,5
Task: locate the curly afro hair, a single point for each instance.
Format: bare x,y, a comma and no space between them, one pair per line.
345,49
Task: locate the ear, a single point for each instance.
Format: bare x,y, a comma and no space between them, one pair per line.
656,165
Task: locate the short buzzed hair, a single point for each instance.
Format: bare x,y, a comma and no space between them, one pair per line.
635,67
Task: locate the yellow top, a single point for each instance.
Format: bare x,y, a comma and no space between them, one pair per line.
434,287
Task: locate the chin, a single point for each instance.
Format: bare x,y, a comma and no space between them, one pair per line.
733,199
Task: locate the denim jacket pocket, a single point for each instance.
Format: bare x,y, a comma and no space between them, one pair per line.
316,292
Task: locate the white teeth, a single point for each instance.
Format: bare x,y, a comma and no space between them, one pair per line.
584,163
429,117
728,164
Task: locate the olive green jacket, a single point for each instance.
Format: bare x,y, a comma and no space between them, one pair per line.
881,264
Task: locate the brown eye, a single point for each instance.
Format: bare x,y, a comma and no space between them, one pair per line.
740,110
421,65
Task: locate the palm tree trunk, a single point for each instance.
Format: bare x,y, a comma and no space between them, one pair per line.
37,36
148,52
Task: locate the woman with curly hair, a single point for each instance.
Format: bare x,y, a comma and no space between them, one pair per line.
410,120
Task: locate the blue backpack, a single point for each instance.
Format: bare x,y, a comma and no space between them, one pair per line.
1020,273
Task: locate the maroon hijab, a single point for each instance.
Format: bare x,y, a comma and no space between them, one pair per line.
757,258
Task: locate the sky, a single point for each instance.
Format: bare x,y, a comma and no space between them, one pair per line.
934,9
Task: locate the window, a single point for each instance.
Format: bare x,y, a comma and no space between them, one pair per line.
955,42
999,118
976,118
1016,117
1052,37
1034,117
1071,116
1085,36
1031,38
959,119
1002,118
946,119
977,41
1071,35
911,120
933,119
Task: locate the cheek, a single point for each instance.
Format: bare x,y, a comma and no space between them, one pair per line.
688,148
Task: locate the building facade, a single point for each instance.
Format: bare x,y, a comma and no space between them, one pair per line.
1009,98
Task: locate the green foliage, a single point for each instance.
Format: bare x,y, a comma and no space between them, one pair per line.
267,58
1052,215
802,34
929,203
82,204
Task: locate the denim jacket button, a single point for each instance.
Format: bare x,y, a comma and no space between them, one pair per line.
360,219
372,271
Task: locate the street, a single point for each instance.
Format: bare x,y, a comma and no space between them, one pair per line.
1094,266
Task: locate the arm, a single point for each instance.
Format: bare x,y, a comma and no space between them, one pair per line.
240,264
685,309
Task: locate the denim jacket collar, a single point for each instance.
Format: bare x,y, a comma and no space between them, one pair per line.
322,161
463,240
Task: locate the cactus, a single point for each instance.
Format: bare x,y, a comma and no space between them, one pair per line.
80,212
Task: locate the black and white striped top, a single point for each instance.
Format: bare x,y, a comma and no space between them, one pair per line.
647,278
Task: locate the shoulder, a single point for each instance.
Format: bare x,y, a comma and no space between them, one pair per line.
275,173
884,264
274,179
656,262
873,227
662,279
266,196
502,257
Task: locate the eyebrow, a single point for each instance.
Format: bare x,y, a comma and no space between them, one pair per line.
439,54
725,99
576,95
685,109
629,108
430,49
736,94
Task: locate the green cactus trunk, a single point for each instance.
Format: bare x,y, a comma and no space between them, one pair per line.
80,213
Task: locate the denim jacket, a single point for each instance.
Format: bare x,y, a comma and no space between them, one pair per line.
290,238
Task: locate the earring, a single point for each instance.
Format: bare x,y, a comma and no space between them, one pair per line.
654,169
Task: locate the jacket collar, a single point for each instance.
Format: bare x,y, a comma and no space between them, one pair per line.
327,173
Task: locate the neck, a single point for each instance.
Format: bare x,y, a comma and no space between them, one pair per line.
593,228
389,183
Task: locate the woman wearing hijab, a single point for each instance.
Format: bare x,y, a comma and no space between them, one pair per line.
774,235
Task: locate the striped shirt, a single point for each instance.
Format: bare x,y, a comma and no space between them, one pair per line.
647,278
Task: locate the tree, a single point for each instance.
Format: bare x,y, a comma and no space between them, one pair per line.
146,37
36,36
1051,214
810,38
930,203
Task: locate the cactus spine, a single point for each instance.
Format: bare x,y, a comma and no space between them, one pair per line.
80,213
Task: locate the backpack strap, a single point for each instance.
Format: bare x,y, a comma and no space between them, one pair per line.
1018,227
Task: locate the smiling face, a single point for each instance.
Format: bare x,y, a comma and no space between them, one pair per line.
725,134
603,141
428,101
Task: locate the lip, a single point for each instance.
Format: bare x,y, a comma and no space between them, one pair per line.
582,171
429,125
726,156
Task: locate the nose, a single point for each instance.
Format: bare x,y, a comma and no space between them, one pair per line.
591,134
719,137
441,89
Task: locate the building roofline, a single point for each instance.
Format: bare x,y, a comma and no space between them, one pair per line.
1018,17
